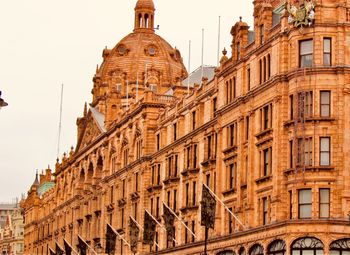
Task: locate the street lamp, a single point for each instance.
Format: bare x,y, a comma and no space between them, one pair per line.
2,102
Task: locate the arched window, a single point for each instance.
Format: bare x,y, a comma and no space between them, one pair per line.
268,66
241,251
90,170
307,246
340,247
146,20
277,247
82,175
227,252
99,164
140,20
256,249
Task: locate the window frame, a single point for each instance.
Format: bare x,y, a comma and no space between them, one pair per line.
324,104
325,203
304,204
304,55
328,152
327,53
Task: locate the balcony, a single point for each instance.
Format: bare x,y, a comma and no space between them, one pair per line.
190,171
171,179
189,208
122,202
154,187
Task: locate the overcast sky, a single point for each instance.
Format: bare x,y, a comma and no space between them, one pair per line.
46,43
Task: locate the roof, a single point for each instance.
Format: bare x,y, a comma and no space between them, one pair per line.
196,75
7,206
99,118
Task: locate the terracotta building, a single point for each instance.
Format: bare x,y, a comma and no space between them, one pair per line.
268,131
11,230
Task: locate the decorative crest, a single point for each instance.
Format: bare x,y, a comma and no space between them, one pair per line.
302,15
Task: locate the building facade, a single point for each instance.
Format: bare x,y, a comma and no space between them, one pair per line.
267,131
11,230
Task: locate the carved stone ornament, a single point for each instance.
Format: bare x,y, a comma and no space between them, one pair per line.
303,15
149,229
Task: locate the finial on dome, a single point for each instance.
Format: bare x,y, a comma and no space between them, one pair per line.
224,52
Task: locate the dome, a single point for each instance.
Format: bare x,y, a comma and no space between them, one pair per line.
141,53
145,4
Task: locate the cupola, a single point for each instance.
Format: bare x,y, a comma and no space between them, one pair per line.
144,15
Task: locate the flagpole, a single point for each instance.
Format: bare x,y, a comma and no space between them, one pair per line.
116,232
202,70
189,68
141,228
221,202
159,223
206,240
71,246
177,217
219,34
88,245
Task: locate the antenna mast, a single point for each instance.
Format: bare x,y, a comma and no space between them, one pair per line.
60,124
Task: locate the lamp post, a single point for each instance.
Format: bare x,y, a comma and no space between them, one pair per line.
2,102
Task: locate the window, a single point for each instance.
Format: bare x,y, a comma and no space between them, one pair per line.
291,105
307,246
126,156
194,194
260,71
157,208
248,79
261,34
124,188
305,204
187,194
327,51
211,145
172,166
230,221
340,247
266,159
174,199
264,73
215,106
266,117
231,175
305,159
136,182
193,229
265,210
306,53
138,148
238,51
325,100
325,151
268,66
324,203
290,204
231,135
277,247
256,249
174,131
158,142
186,232
305,104
193,120
246,128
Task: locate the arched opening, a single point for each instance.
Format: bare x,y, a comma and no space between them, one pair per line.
99,164
90,170
277,247
340,247
146,20
140,20
227,252
82,175
307,246
256,249
241,251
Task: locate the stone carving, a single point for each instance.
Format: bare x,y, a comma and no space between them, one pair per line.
303,15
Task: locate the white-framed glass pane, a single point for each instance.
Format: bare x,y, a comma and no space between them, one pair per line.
296,252
327,45
325,144
324,195
327,59
306,47
325,111
325,97
306,60
305,211
333,252
308,252
325,159
305,196
324,210
319,252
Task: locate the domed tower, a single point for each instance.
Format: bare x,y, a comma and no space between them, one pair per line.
140,61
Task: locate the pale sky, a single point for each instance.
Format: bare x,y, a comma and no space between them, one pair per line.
46,43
